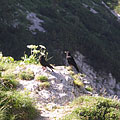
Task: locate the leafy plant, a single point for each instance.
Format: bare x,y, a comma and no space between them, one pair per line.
36,51
7,59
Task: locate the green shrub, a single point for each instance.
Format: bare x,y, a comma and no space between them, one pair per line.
42,78
94,108
26,75
16,106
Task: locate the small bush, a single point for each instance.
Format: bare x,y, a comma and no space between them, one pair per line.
42,78
16,106
26,75
45,85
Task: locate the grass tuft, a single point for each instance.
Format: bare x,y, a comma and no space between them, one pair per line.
41,78
78,83
89,88
8,82
45,85
26,75
77,80
16,106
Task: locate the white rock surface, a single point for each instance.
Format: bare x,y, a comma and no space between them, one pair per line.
60,93
62,90
91,9
97,80
36,23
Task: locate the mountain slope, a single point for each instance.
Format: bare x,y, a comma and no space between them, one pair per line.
86,26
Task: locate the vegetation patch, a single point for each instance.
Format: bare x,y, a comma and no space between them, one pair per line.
41,78
26,75
89,88
78,83
94,108
16,106
45,85
77,80
8,82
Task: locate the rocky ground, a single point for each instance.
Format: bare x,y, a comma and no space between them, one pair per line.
52,102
